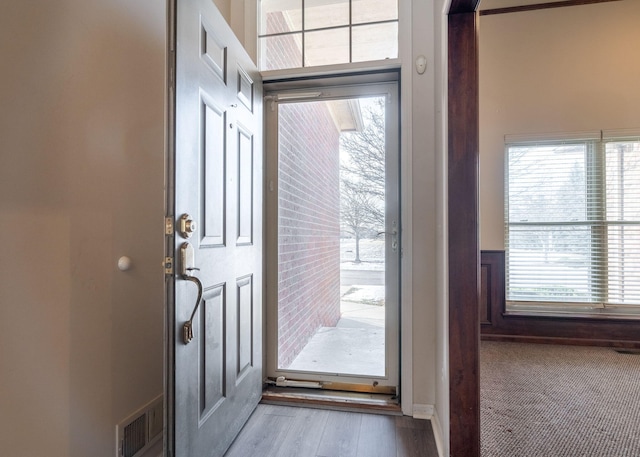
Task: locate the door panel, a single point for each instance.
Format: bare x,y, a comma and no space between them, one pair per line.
245,186
214,153
215,381
245,325
212,350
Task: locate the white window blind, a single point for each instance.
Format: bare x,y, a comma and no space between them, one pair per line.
573,221
622,158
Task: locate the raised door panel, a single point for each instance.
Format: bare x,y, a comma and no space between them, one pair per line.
212,336
245,187
213,159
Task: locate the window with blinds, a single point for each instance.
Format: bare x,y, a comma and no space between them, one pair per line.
307,33
572,215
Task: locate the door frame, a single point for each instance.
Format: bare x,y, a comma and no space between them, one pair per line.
363,83
463,229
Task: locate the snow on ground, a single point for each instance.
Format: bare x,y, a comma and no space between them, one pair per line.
370,295
372,259
371,254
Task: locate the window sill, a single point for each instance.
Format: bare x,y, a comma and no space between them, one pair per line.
604,314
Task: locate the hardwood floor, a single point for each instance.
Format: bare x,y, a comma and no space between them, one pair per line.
288,431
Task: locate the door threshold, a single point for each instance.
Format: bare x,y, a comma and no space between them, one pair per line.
374,403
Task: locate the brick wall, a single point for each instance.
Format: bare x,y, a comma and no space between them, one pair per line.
309,226
309,208
282,51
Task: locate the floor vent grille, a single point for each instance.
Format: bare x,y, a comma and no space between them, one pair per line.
140,431
135,436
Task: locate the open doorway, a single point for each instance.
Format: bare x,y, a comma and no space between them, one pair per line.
334,237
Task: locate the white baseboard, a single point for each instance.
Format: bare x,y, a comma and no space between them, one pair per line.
429,412
422,411
437,434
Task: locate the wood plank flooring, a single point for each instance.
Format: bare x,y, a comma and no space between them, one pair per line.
288,431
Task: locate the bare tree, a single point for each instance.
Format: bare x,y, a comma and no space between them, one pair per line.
358,211
362,176
366,150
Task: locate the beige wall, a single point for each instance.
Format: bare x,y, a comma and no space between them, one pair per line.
81,184
565,69
224,6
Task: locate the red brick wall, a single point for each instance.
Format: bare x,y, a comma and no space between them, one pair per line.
309,202
309,226
283,51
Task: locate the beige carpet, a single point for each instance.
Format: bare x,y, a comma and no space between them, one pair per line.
543,400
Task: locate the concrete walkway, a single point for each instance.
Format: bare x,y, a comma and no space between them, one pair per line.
355,346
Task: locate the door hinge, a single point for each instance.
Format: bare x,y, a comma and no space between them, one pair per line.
168,265
168,226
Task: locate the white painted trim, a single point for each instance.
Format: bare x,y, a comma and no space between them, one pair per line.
423,411
243,17
406,283
442,378
446,6
332,70
430,413
437,434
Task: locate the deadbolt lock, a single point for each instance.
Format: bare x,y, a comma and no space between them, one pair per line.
186,226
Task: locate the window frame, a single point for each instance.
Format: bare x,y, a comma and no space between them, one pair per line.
596,211
347,66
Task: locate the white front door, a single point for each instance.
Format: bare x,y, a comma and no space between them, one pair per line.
215,176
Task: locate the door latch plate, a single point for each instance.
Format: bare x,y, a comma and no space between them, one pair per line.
168,226
168,265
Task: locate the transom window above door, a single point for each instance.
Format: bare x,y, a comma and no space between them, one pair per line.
308,33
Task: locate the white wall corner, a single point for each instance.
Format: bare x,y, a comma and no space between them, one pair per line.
423,411
437,434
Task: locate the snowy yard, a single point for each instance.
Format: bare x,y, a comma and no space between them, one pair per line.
371,254
372,259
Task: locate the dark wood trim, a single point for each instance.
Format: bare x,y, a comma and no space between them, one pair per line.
499,325
463,6
541,6
492,289
464,252
566,341
567,330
